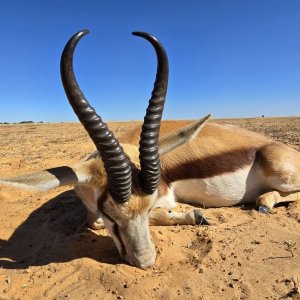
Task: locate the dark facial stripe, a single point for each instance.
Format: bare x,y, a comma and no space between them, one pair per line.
115,227
209,166
118,236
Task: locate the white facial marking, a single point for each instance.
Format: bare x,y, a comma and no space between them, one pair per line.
110,227
140,250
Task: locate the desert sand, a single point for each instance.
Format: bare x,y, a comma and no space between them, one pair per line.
48,252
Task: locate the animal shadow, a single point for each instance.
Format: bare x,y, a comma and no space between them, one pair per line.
56,232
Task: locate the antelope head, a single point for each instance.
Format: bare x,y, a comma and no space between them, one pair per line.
129,181
118,184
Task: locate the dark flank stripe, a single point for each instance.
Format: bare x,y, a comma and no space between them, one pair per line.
209,166
115,227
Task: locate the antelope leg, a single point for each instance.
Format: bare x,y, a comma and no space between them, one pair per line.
170,217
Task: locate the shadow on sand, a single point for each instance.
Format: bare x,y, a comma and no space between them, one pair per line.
56,232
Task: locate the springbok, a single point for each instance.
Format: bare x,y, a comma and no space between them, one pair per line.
120,185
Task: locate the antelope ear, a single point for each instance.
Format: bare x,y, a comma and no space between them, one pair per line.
175,139
52,178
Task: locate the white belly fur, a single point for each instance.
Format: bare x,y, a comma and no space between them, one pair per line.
241,186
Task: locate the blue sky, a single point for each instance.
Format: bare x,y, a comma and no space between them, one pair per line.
229,58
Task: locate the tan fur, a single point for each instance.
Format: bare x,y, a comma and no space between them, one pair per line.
94,169
219,148
222,157
139,201
132,136
216,139
279,160
136,205
223,149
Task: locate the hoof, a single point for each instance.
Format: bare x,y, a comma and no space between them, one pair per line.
264,209
199,219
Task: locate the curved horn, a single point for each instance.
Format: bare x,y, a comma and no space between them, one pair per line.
116,164
149,156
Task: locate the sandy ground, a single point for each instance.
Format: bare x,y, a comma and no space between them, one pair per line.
47,251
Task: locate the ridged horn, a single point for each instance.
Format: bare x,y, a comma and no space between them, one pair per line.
149,156
116,164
